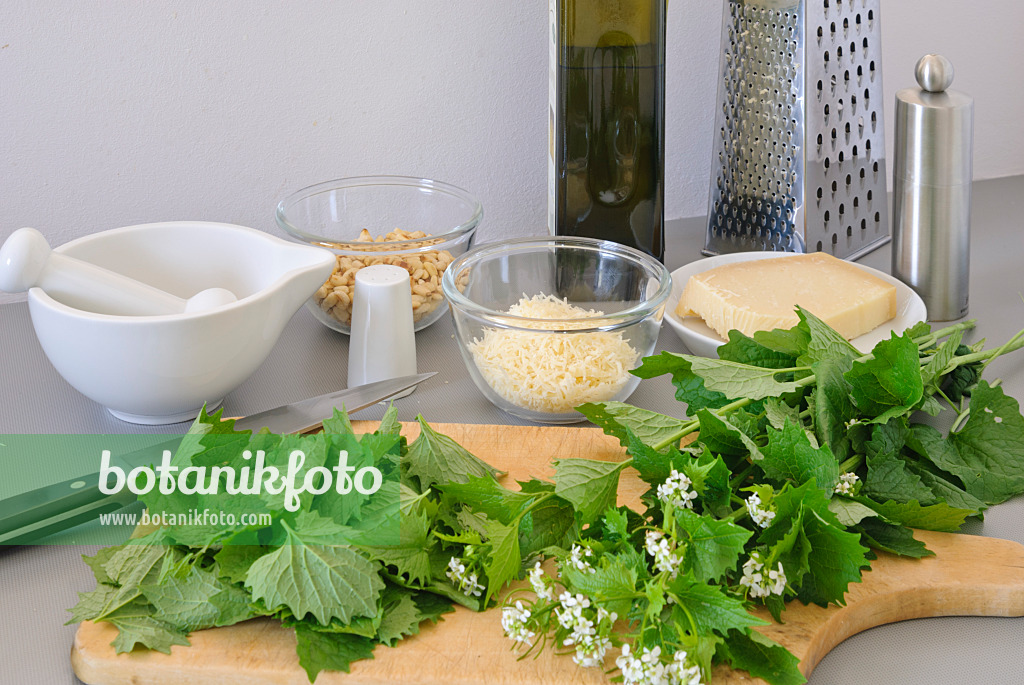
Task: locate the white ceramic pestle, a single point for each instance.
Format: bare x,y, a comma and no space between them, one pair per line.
26,261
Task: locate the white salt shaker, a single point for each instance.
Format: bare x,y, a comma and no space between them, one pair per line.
382,344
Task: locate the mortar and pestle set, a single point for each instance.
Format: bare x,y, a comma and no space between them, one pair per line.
154,321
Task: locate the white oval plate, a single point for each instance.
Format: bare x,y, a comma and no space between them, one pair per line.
704,342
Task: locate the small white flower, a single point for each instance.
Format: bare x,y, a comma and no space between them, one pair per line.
759,583
467,584
666,559
676,491
576,558
538,581
514,622
846,483
762,517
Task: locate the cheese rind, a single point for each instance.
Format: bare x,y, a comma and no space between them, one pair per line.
763,294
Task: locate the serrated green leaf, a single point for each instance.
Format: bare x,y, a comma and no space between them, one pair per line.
789,456
613,585
147,632
713,546
411,556
740,381
722,435
892,538
689,386
182,600
835,561
745,350
990,446
888,478
711,608
590,486
709,478
400,618
912,514
850,512
435,458
622,420
889,383
824,343
833,408
486,496
504,560
329,651
325,581
761,657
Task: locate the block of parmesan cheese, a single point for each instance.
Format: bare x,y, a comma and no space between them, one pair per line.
762,294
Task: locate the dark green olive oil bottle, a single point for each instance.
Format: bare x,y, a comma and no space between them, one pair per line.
607,121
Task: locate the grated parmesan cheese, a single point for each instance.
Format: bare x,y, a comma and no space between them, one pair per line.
553,372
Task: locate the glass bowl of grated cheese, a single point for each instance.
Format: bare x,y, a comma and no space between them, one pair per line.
547,324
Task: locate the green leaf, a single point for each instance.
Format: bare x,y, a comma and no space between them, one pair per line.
486,496
435,458
889,383
590,486
147,632
990,446
504,561
824,342
713,546
233,605
709,477
689,386
233,561
411,556
851,512
738,381
400,617
549,524
339,423
833,408
622,420
891,538
745,350
613,586
792,341
182,599
721,435
761,657
329,651
712,610
931,373
325,581
888,478
912,514
789,456
835,561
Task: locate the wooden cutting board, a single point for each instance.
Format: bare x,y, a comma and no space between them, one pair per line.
968,576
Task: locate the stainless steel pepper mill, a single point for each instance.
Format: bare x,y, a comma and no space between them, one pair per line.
932,168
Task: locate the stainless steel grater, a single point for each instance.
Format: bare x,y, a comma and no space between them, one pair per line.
799,153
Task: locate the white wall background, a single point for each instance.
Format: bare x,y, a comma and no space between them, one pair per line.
114,112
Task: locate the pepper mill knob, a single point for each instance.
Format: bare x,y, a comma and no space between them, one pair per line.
934,73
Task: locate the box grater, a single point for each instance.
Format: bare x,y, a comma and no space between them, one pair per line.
799,153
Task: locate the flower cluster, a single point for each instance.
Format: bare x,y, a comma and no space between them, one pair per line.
466,582
846,483
759,515
516,623
676,491
588,628
647,668
577,561
759,583
541,585
666,557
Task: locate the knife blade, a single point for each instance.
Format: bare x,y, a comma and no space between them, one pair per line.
53,508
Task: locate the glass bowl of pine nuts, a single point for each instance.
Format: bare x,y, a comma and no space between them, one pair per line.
415,223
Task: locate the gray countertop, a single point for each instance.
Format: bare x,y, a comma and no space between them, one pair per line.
37,584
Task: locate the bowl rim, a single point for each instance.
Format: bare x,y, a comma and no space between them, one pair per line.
40,296
612,321
412,245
